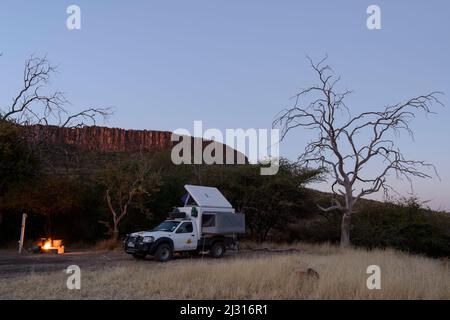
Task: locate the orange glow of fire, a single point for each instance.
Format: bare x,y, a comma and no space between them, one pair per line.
47,245
50,245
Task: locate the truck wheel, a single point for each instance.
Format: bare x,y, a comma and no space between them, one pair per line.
217,250
164,252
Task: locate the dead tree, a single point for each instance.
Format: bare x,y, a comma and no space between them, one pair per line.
33,105
346,145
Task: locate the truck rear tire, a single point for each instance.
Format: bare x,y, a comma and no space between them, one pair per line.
217,250
164,252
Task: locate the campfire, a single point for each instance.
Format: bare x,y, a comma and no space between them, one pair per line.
51,246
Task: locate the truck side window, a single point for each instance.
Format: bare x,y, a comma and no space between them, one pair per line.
186,227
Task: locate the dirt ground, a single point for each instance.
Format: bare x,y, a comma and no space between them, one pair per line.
13,264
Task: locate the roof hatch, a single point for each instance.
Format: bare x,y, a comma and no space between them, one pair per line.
207,196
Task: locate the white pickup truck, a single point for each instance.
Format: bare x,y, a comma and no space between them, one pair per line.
206,223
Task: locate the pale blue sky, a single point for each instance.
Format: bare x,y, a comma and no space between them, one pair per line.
235,63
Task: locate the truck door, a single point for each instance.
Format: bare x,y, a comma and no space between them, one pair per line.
185,237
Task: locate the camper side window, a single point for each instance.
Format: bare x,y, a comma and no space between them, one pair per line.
186,227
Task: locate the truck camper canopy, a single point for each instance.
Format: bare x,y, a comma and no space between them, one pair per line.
223,223
212,212
206,196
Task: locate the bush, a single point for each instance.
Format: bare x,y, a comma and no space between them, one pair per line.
405,226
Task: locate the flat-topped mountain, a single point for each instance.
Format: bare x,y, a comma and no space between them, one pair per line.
106,140
103,139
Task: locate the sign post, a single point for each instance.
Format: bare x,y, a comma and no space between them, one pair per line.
22,232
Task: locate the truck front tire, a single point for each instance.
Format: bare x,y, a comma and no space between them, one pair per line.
217,250
164,252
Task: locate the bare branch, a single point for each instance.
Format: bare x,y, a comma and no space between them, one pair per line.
89,114
32,105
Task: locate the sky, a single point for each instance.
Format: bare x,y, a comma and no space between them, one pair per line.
234,64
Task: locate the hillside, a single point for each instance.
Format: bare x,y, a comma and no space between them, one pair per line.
91,147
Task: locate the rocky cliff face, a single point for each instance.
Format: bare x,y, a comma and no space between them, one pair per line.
101,138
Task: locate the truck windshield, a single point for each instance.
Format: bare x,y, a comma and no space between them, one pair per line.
167,226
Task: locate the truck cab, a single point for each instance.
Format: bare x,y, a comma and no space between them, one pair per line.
206,223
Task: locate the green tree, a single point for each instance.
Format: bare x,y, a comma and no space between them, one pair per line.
126,184
17,160
47,195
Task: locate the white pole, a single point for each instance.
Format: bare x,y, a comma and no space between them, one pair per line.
22,232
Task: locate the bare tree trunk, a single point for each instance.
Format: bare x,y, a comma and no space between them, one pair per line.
345,229
115,234
347,216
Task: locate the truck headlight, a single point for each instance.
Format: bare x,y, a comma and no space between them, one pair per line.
148,239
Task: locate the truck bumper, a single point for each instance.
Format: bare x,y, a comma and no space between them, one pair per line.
134,245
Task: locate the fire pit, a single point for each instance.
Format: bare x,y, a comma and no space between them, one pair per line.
51,246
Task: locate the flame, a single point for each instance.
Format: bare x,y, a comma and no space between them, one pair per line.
47,245
51,245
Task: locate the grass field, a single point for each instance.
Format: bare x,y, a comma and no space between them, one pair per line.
265,275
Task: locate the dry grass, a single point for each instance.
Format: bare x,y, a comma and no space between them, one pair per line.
269,276
108,244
